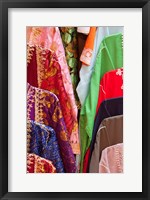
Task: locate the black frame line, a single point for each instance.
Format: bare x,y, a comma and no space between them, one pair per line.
4,6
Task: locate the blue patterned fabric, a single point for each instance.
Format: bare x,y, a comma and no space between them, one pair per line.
42,141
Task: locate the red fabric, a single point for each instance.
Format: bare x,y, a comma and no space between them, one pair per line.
43,71
37,164
86,160
31,66
111,86
53,82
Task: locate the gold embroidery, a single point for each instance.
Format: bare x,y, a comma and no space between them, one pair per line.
39,103
30,50
57,114
30,100
52,100
51,72
40,57
55,91
68,105
28,135
63,136
36,32
46,122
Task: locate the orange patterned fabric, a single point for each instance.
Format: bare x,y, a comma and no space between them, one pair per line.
37,164
86,55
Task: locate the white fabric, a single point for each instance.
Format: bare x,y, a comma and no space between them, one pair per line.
83,29
86,71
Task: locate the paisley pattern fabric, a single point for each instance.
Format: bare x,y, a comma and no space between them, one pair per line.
50,38
44,107
36,164
49,77
69,38
42,141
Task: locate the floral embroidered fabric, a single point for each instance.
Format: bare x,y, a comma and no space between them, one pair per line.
44,107
42,141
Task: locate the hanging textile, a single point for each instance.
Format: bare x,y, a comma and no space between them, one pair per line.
111,86
36,164
83,29
43,107
110,132
69,38
106,60
46,63
87,52
81,43
50,78
42,141
86,71
74,88
112,159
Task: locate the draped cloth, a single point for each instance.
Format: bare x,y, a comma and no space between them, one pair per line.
86,71
112,159
47,69
111,86
69,39
44,107
110,132
110,56
87,52
42,141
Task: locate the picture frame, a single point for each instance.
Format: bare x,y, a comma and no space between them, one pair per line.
4,96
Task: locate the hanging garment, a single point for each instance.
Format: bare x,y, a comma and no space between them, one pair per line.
83,29
69,38
112,159
86,71
42,141
110,57
81,43
50,78
43,107
111,86
87,52
110,132
36,164
109,108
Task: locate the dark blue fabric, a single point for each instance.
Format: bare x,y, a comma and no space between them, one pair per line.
108,108
42,141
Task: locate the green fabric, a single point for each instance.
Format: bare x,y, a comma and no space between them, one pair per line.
110,56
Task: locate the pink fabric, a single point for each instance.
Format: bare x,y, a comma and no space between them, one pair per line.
112,159
49,38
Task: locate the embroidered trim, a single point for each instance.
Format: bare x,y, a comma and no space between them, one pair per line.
30,50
